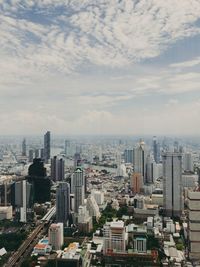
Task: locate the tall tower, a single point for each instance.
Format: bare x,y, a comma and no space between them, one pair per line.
47,146
57,169
78,188
156,150
24,147
63,203
140,155
172,183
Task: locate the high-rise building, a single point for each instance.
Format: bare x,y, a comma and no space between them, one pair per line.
136,183
128,156
30,155
194,225
99,196
56,236
57,169
63,203
92,207
22,199
39,180
114,237
77,160
149,170
24,147
172,184
188,162
140,154
47,146
78,188
156,150
84,219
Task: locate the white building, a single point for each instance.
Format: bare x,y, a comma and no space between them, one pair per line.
78,188
172,183
114,237
92,207
99,196
56,236
6,213
140,155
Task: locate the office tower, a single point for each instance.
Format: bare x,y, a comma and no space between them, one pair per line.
24,148
156,150
40,182
30,155
129,156
172,184
22,200
57,169
194,225
114,237
140,154
63,203
149,170
56,236
47,146
77,160
188,162
136,183
78,188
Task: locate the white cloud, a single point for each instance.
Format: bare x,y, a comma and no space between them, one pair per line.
186,64
48,48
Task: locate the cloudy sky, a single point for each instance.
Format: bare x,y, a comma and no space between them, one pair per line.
100,66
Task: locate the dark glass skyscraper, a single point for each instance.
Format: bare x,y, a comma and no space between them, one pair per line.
156,150
40,182
63,203
47,146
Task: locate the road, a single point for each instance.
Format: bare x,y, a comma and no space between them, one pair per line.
28,244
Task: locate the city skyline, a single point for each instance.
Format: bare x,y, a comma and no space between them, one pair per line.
116,67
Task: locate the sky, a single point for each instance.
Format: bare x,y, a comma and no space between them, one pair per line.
100,67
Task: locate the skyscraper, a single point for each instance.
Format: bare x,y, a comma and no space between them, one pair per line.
78,188
156,150
172,187
47,146
22,199
24,147
140,154
128,155
41,183
63,203
57,169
